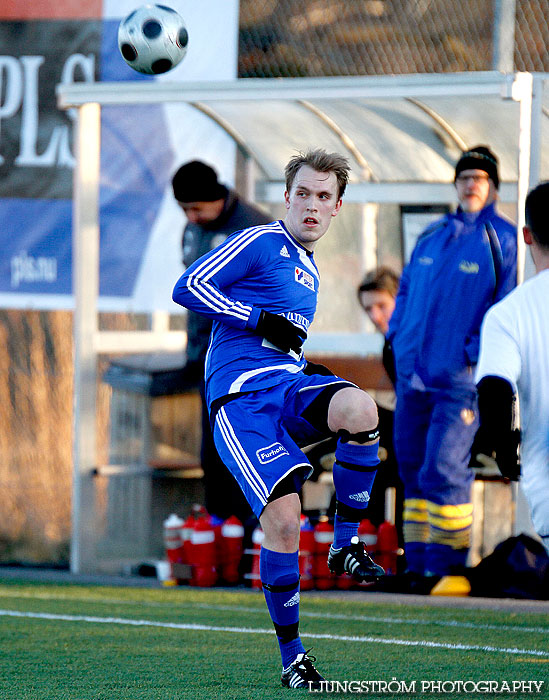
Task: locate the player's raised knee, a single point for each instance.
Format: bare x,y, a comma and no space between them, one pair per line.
353,410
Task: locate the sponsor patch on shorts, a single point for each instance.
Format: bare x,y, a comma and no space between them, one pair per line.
270,453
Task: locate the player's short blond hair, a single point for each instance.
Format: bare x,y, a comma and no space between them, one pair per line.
322,162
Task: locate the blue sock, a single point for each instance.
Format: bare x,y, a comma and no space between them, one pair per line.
354,473
415,557
279,573
344,531
442,560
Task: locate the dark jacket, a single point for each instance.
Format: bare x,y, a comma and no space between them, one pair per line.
199,239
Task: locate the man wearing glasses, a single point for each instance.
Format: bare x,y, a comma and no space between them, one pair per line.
461,265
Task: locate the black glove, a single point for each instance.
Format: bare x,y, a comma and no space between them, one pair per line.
503,447
507,455
496,436
280,332
315,368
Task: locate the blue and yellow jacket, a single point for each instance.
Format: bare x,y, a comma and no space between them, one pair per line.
461,265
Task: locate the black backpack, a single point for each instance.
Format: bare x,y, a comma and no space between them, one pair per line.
517,568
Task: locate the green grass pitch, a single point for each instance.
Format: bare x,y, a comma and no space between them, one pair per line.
74,642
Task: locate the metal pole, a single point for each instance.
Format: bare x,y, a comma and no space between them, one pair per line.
528,91
504,35
85,287
245,175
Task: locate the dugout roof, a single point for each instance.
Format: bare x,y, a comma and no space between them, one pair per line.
402,134
393,141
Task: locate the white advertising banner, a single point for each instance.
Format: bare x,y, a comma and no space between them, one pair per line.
141,147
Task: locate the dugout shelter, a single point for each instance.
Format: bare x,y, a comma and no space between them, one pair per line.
402,135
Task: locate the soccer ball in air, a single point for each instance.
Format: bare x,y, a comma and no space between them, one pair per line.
153,39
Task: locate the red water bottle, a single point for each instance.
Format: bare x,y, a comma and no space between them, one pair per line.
203,552
388,550
387,547
186,532
173,540
306,554
324,536
197,511
232,538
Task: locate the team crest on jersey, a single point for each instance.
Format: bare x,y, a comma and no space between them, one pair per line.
304,278
270,453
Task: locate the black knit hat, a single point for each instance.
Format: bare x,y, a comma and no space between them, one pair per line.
479,158
197,182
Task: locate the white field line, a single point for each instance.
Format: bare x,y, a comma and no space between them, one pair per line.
390,620
250,630
455,624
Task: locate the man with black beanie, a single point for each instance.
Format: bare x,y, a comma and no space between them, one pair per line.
213,212
461,265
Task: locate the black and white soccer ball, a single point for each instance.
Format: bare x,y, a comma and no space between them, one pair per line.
153,39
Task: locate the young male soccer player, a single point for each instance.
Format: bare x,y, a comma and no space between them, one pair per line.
260,288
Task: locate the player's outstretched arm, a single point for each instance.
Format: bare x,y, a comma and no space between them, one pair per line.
202,286
282,333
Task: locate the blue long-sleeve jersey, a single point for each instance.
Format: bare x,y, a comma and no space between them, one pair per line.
261,267
461,265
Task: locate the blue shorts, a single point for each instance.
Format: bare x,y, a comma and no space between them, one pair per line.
257,434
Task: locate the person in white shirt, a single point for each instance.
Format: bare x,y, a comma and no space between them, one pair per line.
514,359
